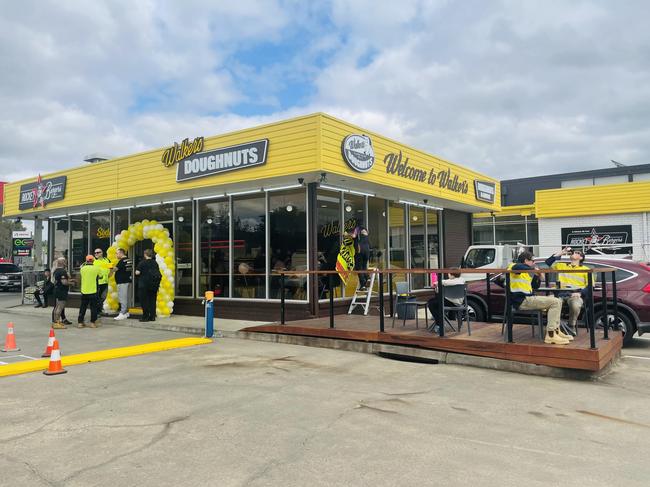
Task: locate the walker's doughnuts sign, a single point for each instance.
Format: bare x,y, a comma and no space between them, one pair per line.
358,152
192,164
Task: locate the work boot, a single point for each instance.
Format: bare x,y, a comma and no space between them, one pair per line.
67,322
561,334
81,325
92,324
58,325
553,338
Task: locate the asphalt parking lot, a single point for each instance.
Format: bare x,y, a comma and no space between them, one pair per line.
246,413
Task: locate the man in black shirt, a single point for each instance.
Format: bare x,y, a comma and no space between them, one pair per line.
122,272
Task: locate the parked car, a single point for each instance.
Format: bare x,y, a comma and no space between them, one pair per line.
632,287
11,277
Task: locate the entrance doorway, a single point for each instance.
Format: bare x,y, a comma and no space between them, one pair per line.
137,253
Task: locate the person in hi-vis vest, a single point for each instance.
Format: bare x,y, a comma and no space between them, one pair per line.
522,285
576,283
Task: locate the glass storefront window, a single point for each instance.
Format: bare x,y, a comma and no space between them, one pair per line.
249,247
100,231
288,242
60,240
120,221
214,252
79,227
432,240
418,251
183,245
328,215
397,239
354,211
377,232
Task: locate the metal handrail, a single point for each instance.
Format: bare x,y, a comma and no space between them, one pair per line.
589,309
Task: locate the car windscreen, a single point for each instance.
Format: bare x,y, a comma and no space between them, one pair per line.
479,257
5,268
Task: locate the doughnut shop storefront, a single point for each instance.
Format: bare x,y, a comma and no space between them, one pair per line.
225,213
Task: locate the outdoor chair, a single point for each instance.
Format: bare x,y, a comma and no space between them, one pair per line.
404,301
457,291
530,313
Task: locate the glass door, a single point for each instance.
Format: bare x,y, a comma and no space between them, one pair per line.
137,254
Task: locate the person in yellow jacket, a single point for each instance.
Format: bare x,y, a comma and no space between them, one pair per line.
576,283
102,287
522,285
90,275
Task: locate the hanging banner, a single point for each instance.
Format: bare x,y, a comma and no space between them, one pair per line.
345,259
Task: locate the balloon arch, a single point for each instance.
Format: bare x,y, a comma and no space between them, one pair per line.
164,249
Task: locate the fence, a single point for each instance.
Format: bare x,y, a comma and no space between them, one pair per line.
490,273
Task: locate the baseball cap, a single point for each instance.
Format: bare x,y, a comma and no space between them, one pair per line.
90,258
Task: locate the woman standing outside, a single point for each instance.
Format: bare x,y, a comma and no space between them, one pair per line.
148,284
61,288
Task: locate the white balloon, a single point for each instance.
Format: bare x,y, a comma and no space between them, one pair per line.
170,304
168,272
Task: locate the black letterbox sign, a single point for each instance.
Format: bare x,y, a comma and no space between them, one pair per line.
221,160
41,192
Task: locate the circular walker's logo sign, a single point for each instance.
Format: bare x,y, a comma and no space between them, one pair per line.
358,152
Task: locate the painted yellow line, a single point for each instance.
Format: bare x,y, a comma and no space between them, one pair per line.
82,358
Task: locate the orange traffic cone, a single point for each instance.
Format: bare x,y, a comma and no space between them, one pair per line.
10,341
55,366
50,344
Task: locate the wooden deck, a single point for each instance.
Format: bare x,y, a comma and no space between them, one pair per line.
486,340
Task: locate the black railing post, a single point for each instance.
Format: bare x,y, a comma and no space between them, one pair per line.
488,289
390,294
440,318
603,278
329,279
282,310
381,302
592,320
615,297
508,310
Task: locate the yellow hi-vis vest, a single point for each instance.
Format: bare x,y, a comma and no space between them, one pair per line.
105,266
520,282
576,280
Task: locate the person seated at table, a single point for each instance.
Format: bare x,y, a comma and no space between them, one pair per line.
576,283
453,279
522,285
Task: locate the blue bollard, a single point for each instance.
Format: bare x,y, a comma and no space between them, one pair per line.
209,314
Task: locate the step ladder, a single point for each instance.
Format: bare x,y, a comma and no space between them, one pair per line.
362,298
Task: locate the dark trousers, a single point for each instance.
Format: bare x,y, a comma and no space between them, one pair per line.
148,303
45,293
88,301
102,289
361,264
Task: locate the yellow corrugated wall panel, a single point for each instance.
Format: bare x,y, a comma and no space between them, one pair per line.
593,200
292,150
333,132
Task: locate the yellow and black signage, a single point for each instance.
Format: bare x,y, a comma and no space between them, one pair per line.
181,151
443,178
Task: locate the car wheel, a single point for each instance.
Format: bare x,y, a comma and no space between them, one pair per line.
476,311
624,323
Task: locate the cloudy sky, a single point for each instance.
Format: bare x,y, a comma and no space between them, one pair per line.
509,88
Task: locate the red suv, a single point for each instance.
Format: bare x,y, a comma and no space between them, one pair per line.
632,288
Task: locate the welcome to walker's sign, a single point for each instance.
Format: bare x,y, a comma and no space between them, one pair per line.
613,239
42,192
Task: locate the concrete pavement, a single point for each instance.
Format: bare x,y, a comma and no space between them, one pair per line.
246,413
